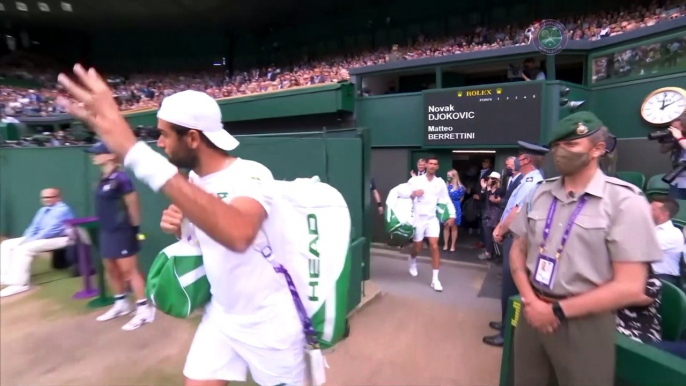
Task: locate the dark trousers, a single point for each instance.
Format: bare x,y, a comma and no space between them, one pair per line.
509,288
677,193
670,279
488,237
579,352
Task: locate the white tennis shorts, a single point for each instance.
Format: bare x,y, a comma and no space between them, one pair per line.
426,227
216,356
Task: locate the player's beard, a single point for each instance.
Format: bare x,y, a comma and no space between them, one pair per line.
184,158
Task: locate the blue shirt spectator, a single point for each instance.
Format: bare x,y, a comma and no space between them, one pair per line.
47,232
49,221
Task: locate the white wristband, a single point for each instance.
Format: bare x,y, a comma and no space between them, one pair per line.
149,166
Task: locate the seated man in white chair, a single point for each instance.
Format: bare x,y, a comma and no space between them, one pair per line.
47,232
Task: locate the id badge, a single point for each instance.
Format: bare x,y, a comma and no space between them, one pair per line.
318,367
546,267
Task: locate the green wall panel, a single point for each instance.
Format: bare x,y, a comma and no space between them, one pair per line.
323,99
618,105
143,118
395,120
24,172
349,151
552,111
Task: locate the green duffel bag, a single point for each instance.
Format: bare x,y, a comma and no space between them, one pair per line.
443,210
398,218
177,284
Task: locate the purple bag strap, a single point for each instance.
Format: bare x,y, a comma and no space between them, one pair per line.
310,333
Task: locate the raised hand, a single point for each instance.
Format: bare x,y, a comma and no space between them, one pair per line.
94,104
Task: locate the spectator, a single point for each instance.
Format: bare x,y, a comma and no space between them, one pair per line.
421,168
456,191
531,71
144,91
669,237
395,55
47,232
492,197
642,321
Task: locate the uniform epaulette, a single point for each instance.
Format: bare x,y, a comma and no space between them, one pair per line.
551,179
628,185
530,199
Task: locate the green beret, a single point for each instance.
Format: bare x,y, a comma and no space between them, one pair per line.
575,126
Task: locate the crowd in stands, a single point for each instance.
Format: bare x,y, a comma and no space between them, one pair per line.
141,91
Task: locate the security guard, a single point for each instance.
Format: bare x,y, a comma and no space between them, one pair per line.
528,162
581,246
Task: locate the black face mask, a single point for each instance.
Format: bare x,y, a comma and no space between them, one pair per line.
509,172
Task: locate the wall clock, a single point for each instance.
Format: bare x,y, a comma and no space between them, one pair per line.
664,105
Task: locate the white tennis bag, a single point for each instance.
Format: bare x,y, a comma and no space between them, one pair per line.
311,250
399,214
312,245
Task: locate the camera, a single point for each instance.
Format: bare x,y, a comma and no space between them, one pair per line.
660,136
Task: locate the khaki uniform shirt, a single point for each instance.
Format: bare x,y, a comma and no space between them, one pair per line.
615,225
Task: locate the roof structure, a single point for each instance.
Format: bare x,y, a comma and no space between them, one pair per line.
97,14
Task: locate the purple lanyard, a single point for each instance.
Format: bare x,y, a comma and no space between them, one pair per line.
568,229
310,334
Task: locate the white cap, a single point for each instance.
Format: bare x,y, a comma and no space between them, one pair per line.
495,175
199,111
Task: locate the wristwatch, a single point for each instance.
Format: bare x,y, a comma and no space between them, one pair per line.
559,312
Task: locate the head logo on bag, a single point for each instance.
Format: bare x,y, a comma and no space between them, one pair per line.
316,252
314,262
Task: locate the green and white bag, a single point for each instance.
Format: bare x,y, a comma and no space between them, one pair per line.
309,231
399,215
442,210
312,243
176,283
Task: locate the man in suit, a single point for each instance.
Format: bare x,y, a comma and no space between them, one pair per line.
514,177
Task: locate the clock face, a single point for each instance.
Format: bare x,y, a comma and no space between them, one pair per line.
664,106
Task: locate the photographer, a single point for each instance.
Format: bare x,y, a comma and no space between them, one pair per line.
531,71
676,145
